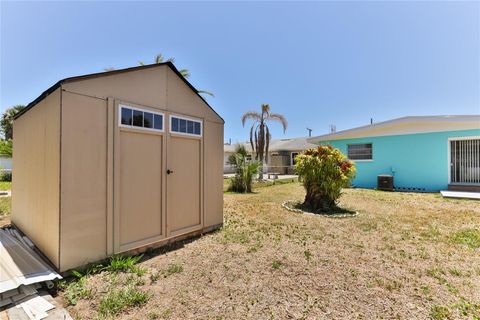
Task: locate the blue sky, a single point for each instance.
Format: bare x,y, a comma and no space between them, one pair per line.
318,63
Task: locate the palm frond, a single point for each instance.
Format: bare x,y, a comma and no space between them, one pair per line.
265,108
184,72
206,92
280,118
241,150
250,115
159,58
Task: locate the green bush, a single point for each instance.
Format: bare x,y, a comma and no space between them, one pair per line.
324,172
6,176
6,147
245,170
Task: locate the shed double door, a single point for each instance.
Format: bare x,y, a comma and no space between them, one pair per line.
158,186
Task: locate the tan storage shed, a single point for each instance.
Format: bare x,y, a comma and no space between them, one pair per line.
115,161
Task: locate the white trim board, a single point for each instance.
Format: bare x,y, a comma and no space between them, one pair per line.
460,194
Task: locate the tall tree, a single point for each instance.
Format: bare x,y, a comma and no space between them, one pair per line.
260,133
7,120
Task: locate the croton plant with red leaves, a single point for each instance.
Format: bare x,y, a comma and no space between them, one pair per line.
324,171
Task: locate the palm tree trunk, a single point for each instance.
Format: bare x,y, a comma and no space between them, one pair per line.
261,149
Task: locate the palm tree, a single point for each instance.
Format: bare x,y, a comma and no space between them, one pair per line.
260,133
6,122
159,58
245,170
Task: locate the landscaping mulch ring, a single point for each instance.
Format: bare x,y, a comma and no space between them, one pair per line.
298,207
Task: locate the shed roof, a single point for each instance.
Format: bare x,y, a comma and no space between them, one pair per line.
107,73
291,144
406,125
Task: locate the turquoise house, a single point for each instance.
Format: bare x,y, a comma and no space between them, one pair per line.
422,153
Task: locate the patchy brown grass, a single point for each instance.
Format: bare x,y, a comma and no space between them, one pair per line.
406,256
5,209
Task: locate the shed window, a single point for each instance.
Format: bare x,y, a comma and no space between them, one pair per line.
137,118
147,120
158,121
134,117
185,126
361,151
126,117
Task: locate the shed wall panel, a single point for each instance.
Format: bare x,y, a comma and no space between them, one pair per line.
143,87
181,99
84,180
36,175
213,190
159,88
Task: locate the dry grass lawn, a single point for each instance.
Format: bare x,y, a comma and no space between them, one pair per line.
406,256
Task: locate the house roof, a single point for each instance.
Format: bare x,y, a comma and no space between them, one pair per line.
405,125
291,144
108,73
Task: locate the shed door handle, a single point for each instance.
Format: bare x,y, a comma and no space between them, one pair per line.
169,171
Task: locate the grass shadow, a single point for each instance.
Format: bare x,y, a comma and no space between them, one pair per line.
334,212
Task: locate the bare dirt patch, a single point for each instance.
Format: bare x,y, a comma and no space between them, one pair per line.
299,207
405,256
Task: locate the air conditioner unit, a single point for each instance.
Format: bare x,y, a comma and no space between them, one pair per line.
385,182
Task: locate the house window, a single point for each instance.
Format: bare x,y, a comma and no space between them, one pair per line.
138,118
185,126
361,151
293,155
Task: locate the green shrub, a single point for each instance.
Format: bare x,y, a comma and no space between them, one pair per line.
6,176
245,170
6,147
324,172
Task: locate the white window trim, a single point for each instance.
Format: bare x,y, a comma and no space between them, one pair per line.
184,133
360,160
120,106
